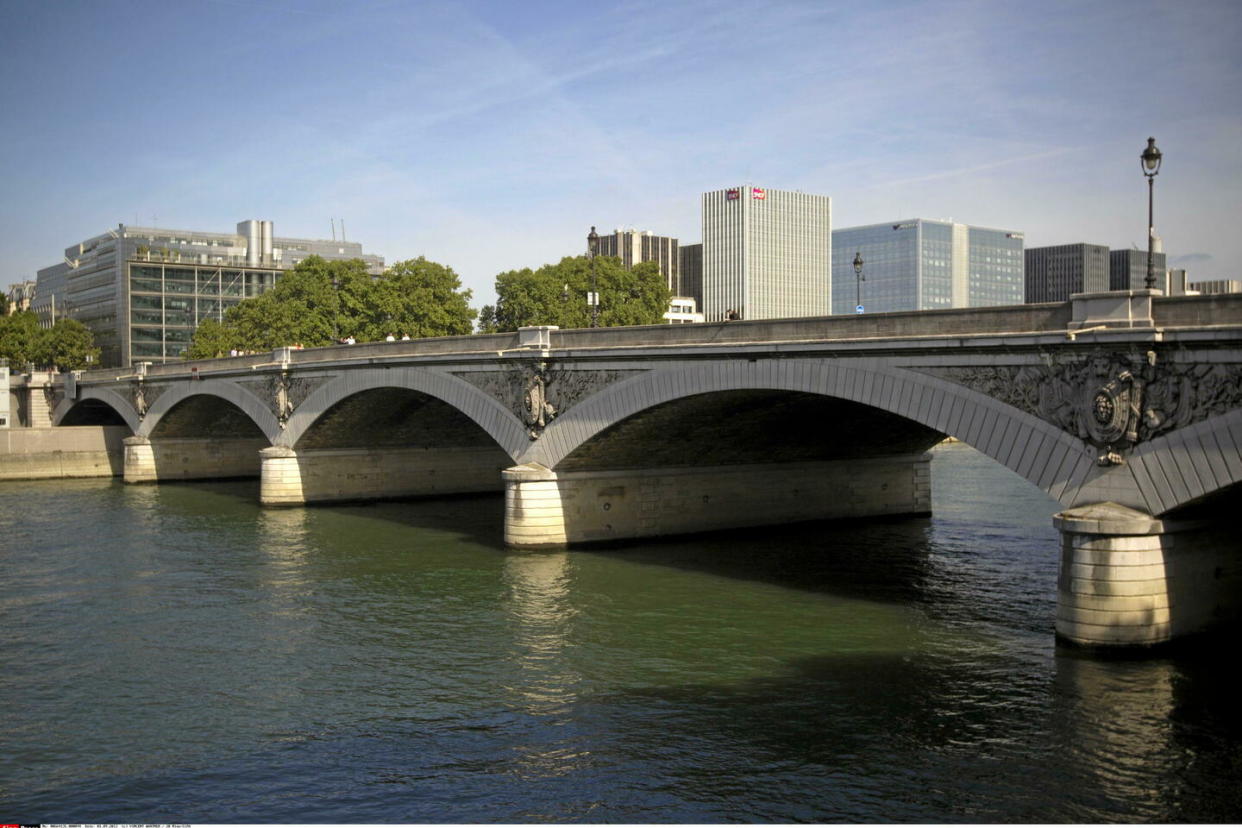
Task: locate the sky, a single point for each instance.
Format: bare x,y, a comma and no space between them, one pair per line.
490,136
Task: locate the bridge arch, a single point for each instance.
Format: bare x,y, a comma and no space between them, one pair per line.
1036,450
254,407
1186,467
487,413
122,406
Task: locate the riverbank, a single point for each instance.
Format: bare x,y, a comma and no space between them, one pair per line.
65,451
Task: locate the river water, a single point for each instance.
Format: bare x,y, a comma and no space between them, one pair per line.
177,654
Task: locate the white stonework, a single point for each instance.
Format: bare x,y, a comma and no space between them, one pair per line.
139,461
1129,579
280,478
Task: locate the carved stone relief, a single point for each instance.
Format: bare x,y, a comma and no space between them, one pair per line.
283,393
143,395
536,391
1112,400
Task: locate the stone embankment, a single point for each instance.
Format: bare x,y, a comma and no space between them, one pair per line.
67,451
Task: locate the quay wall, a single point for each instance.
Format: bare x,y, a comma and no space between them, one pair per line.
67,451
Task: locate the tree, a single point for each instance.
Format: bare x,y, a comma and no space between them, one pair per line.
66,346
557,295
319,301
422,299
71,346
21,339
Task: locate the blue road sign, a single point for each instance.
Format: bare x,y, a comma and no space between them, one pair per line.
858,309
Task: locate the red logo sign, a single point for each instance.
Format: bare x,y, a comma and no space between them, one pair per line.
759,194
732,195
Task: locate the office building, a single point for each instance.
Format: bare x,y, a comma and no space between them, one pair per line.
634,246
1176,283
766,253
1127,270
1054,273
690,270
921,264
682,310
143,290
1213,286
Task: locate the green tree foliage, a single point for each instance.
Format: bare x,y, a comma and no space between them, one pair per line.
319,302
66,346
70,346
557,295
21,339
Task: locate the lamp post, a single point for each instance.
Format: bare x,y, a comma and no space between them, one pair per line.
592,249
1151,158
336,312
858,280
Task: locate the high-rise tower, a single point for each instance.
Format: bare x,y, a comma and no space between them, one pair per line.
766,253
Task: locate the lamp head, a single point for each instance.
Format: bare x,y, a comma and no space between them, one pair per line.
1151,158
858,262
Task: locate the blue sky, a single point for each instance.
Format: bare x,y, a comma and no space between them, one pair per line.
490,135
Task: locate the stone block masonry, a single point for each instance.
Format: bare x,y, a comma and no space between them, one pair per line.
67,451
293,478
1127,578
544,508
153,461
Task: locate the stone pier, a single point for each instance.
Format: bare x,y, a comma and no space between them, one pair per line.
1129,579
139,461
544,508
292,478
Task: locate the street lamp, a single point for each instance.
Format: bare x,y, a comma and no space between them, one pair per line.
592,249
859,279
336,311
1151,158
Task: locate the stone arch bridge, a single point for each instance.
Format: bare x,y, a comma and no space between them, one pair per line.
1124,407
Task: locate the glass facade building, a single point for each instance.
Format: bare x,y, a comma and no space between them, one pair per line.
143,290
766,253
920,264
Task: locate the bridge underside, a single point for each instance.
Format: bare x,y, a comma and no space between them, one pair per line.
724,460
383,443
202,437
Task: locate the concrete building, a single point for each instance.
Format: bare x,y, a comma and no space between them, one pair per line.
682,310
1127,270
1176,283
635,246
922,264
690,267
1054,273
143,290
1217,286
766,253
